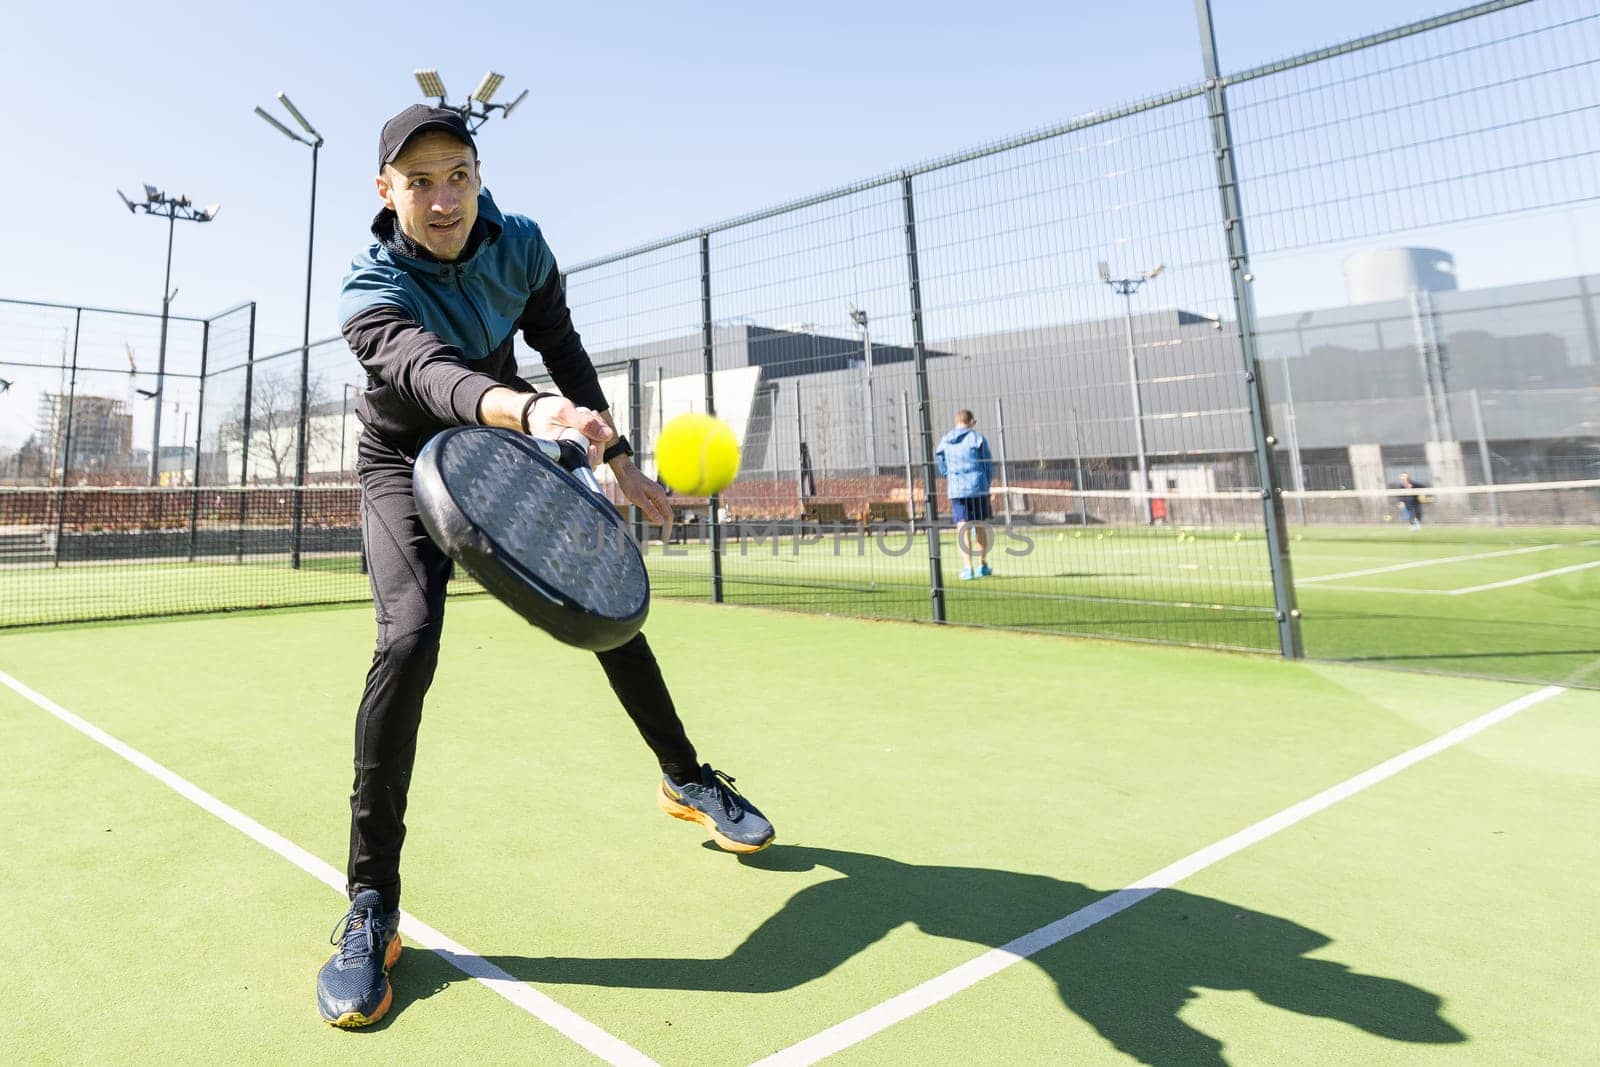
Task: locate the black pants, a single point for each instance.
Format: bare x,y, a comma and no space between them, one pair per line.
408,575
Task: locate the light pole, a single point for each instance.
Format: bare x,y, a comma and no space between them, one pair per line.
1126,287
859,317
305,338
171,208
478,109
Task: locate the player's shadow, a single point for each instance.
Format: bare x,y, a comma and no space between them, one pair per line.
1128,977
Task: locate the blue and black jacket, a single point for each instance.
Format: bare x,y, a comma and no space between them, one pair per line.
433,336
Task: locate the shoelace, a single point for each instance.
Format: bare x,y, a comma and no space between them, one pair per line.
730,798
354,935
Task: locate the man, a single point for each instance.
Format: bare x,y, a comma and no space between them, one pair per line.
1411,503
963,458
430,310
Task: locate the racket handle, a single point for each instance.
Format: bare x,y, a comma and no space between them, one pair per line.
570,455
573,458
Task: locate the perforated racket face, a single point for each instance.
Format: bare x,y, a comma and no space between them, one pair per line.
545,523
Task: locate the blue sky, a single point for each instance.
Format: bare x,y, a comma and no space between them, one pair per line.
643,119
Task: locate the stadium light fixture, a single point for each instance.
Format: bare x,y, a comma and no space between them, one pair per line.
171,208
280,127
428,81
486,89
315,144
283,98
478,107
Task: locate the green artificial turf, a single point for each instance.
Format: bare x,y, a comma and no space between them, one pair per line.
1381,594
937,792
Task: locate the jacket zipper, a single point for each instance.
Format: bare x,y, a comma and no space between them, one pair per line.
483,327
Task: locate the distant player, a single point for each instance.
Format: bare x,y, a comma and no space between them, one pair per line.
1411,503
963,458
431,309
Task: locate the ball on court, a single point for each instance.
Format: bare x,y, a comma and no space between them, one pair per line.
1238,537
697,455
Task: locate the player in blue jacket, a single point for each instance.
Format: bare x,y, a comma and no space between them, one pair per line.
431,310
963,458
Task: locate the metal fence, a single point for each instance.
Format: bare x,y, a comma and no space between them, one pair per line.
1176,313
1170,318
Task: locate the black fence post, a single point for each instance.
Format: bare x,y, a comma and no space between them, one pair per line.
199,437
1288,613
244,431
66,443
924,406
300,458
712,520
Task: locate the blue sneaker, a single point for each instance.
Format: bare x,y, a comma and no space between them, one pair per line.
984,571
735,824
353,987
966,574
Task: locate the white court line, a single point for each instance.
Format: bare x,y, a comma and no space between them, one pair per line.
1429,563
565,1021
1526,578
897,1009
1385,590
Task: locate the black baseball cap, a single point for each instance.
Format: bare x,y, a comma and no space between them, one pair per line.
414,120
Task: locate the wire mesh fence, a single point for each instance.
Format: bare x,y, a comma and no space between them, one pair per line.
1181,324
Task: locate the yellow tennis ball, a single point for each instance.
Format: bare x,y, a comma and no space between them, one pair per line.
697,455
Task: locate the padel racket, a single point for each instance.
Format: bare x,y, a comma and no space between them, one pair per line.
526,518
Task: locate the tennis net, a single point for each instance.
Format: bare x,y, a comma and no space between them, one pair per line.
92,553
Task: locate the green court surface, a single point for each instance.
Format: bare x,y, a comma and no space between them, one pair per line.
1512,603
937,792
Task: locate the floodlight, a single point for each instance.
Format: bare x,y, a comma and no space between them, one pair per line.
130,204
286,131
858,316
505,112
301,119
428,80
210,212
1155,270
487,87
151,193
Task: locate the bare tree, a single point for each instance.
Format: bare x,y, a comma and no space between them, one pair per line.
275,419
